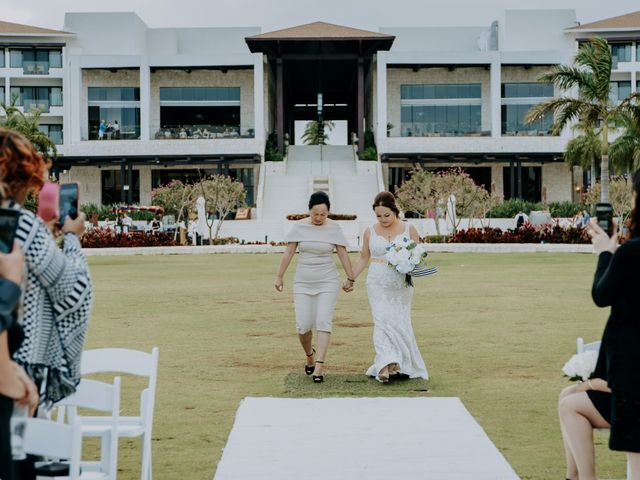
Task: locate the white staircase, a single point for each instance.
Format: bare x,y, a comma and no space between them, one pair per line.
350,184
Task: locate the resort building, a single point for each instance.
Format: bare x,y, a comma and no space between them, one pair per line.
133,110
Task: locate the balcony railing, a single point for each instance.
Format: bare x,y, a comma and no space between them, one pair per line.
195,132
41,105
30,67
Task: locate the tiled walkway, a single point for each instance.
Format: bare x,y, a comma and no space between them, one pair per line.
359,439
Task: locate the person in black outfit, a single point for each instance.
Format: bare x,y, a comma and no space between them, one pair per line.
15,385
612,399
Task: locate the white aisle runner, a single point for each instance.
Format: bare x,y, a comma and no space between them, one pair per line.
359,439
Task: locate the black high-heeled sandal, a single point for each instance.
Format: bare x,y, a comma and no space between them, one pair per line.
308,369
318,378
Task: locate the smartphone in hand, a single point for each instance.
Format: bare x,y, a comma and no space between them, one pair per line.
69,201
8,226
604,214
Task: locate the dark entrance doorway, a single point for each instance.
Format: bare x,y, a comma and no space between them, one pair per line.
320,57
336,80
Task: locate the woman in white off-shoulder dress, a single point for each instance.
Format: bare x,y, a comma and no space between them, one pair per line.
389,296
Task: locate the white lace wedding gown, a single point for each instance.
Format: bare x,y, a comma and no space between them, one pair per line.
390,301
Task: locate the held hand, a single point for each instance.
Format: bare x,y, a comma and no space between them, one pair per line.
12,264
54,227
347,286
75,226
279,284
599,238
30,398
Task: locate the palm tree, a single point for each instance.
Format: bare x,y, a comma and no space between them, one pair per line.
590,74
27,125
625,150
314,135
584,149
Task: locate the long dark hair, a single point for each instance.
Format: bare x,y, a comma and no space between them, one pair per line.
386,199
634,221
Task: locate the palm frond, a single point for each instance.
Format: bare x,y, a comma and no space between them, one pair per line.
595,57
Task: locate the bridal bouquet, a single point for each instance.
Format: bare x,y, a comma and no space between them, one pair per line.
581,365
409,258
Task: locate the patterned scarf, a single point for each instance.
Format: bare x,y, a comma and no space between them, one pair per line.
56,307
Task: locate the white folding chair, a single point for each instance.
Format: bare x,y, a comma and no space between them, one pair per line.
103,397
132,362
51,439
595,346
586,347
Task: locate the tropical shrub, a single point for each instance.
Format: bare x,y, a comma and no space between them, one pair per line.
108,238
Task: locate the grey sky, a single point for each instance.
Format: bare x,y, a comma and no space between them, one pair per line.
274,14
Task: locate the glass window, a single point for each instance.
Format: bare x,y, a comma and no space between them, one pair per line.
112,187
621,52
526,90
55,58
1,57
440,91
200,94
15,58
56,97
54,132
619,91
531,183
114,94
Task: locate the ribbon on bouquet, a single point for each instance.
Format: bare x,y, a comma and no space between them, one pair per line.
423,271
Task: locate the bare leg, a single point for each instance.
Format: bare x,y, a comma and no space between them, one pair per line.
322,343
572,468
306,340
578,418
634,465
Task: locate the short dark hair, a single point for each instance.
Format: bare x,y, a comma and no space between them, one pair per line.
386,199
319,198
634,223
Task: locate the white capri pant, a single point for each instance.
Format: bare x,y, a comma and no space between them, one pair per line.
314,311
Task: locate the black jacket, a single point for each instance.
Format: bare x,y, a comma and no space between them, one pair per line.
616,285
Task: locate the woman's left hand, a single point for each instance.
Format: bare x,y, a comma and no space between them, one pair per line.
599,238
347,286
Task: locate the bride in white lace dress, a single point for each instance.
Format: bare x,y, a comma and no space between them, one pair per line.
389,296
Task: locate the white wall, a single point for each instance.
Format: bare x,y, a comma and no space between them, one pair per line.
104,33
435,39
536,30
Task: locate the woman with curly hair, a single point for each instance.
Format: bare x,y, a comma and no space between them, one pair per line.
57,291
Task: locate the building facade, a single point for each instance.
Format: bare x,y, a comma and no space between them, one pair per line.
134,110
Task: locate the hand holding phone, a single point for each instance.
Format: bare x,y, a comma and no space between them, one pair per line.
604,214
69,201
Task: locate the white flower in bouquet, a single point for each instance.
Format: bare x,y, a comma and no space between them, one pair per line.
581,365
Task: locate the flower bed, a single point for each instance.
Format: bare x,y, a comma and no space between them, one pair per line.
332,216
528,233
108,238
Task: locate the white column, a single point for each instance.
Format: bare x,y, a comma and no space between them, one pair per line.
66,98
74,101
381,92
496,96
145,98
258,97
7,92
634,79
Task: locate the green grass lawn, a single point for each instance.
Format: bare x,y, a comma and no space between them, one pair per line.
494,330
